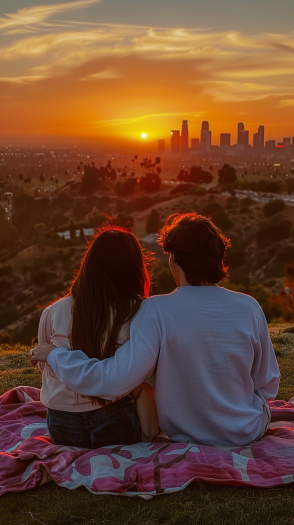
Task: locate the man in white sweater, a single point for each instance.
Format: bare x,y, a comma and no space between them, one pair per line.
207,350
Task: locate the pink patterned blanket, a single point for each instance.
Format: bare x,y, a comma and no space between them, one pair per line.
28,458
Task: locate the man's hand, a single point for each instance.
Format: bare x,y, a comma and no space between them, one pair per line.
40,353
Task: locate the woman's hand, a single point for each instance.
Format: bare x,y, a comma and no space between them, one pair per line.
40,353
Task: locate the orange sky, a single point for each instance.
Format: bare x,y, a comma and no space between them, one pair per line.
110,82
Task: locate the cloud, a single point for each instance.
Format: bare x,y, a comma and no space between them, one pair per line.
227,65
36,14
103,75
25,79
132,120
230,91
287,102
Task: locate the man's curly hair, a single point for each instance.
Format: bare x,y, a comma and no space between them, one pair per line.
198,247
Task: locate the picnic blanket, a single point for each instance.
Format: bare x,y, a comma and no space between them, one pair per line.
28,458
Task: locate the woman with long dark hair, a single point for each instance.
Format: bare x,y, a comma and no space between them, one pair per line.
95,316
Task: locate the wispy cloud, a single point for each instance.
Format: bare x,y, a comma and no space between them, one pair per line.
132,120
228,65
24,79
230,91
36,14
106,74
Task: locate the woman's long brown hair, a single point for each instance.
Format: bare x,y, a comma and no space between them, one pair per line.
108,290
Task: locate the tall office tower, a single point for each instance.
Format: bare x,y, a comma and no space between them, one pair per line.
195,144
240,130
261,136
161,146
205,136
242,135
225,139
185,136
256,141
175,140
204,129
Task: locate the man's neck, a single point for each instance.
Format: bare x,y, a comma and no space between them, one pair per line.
184,282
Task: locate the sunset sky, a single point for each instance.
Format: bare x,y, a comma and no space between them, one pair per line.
106,71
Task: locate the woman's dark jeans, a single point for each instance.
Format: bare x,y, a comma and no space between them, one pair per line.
116,424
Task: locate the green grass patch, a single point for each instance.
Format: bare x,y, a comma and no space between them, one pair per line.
199,504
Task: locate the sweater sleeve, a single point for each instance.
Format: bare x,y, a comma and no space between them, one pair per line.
44,332
132,364
110,378
265,370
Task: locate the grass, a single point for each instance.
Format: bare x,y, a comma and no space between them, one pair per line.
199,504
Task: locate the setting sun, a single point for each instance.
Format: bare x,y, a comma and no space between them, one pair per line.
143,135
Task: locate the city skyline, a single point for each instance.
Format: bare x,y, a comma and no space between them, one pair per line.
183,142
107,72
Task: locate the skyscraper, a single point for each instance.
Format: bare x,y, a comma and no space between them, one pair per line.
175,140
255,141
205,136
261,136
258,139
185,136
240,130
242,135
225,139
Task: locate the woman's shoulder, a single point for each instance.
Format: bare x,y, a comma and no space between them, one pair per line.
62,305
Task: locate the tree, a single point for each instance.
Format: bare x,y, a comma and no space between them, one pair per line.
92,179
152,224
199,176
227,175
272,207
150,182
274,231
164,280
196,175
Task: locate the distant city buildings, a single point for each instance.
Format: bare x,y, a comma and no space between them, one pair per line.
270,146
225,139
195,144
242,135
258,139
185,136
180,141
205,136
161,146
175,140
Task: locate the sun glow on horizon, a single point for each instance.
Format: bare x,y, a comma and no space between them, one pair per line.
143,135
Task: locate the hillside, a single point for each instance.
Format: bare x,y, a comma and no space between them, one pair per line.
37,264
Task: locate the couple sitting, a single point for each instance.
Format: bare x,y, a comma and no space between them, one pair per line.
206,350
